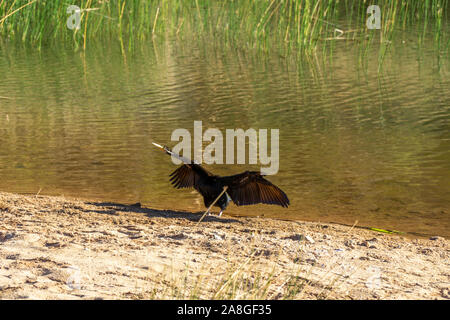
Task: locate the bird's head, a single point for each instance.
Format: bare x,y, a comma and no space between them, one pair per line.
166,149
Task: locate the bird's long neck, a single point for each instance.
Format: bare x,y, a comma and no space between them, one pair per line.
176,155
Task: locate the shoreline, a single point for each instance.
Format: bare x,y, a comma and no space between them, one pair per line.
64,248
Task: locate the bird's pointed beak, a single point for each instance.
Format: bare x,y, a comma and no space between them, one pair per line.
159,146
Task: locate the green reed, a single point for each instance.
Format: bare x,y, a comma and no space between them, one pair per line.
301,25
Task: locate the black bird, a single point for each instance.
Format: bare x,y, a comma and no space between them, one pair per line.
245,188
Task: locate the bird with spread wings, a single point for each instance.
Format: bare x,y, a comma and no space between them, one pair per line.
246,188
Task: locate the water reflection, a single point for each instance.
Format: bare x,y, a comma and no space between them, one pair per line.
355,144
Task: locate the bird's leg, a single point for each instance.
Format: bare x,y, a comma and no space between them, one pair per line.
214,202
220,213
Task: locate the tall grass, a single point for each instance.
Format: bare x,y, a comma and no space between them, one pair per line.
295,24
249,280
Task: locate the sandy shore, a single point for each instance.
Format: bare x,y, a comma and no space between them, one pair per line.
59,248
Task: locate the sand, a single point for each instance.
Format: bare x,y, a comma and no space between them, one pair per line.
61,248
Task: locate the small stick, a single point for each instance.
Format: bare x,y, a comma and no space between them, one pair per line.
156,19
223,191
8,15
356,222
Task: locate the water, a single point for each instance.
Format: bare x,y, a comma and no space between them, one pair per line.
355,144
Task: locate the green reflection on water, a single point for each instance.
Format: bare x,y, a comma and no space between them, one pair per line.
355,144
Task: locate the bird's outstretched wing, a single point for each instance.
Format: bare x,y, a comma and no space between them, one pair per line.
188,176
250,187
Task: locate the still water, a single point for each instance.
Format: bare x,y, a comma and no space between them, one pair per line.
356,143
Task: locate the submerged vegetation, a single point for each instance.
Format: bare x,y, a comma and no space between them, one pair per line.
293,24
